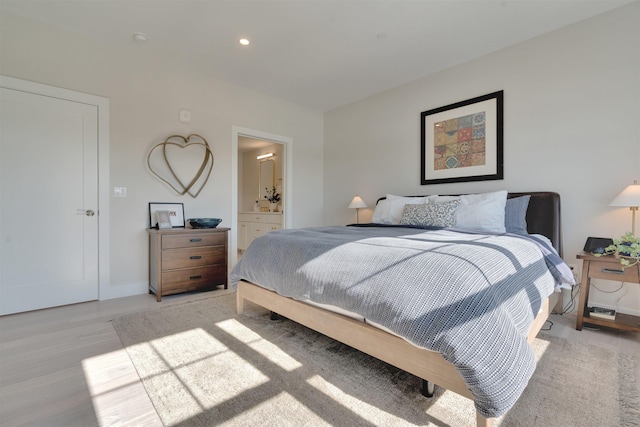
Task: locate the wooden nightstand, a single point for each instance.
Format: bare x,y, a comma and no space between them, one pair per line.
187,259
607,268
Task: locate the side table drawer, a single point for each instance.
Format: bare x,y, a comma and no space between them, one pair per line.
247,217
190,240
192,257
273,219
273,227
193,278
613,271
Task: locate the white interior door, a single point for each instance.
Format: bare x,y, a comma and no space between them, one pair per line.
48,189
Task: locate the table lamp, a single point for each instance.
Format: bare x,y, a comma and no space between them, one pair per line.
356,204
630,197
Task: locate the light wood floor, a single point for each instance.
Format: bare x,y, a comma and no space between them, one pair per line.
66,366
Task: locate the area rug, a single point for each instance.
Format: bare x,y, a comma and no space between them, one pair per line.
203,365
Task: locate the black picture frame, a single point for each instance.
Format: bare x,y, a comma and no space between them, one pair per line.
463,141
176,214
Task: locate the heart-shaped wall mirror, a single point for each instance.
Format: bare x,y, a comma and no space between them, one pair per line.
183,163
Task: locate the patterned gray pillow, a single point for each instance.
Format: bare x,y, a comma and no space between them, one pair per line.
431,214
515,215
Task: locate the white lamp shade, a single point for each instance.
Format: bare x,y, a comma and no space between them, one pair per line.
357,203
629,197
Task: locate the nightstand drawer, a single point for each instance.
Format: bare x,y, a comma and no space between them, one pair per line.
193,279
613,271
192,257
190,240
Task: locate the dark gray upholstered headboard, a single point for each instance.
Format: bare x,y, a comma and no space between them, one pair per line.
543,215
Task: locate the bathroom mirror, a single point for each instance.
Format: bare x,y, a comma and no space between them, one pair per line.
267,169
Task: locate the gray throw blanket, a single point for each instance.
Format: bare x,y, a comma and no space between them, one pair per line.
470,297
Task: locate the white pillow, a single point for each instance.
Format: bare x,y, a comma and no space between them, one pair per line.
382,213
483,211
389,211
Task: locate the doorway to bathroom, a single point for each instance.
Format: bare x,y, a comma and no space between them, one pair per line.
261,196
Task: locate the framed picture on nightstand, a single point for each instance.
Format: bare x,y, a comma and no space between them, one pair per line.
163,219
159,212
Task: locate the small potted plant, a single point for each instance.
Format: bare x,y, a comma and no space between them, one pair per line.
273,197
626,248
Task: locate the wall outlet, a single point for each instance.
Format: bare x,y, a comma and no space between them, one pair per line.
575,271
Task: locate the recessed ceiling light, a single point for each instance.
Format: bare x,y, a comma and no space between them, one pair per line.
140,37
244,42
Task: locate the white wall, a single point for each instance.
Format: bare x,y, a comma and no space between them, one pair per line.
571,125
146,90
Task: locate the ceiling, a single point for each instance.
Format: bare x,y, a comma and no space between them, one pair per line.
321,54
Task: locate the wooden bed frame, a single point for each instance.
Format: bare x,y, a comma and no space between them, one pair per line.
423,363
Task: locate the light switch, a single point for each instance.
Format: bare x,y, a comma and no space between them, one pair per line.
119,191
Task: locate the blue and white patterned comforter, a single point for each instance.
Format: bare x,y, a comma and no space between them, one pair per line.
471,297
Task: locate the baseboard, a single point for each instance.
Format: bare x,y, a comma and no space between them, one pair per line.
120,291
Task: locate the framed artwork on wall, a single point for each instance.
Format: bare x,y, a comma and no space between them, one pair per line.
463,141
158,213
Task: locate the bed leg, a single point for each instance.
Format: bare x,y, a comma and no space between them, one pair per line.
482,421
427,388
239,304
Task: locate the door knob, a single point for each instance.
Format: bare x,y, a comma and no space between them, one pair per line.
89,212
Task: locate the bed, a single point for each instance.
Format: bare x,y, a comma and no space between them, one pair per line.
425,298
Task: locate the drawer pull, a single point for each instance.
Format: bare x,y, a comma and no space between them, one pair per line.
197,239
612,271
195,257
195,277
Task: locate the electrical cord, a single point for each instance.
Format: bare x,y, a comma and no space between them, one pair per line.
620,297
571,305
573,292
608,292
613,292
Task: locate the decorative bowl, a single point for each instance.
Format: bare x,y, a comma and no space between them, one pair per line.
204,222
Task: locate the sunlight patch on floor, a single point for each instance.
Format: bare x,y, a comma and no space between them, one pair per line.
543,345
117,395
177,367
363,409
259,344
277,418
185,347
